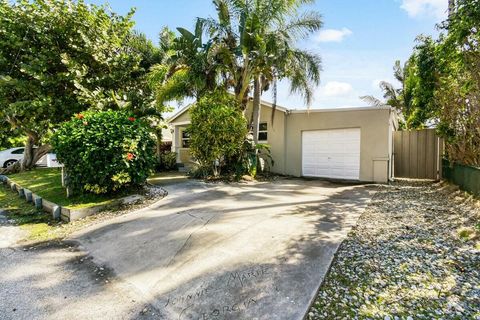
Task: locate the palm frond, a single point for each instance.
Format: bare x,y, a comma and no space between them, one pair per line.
398,71
303,25
374,102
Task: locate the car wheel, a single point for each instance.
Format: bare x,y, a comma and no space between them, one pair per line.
9,163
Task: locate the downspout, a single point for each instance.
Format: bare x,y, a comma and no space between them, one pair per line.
285,129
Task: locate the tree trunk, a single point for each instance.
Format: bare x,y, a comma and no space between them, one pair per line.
32,154
28,153
158,134
257,92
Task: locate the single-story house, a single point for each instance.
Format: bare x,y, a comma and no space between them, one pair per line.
342,143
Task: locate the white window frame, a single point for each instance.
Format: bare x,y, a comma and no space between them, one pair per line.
182,139
262,131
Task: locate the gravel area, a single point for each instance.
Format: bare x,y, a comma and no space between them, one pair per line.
415,254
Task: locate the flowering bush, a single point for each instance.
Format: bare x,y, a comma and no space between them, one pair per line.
104,151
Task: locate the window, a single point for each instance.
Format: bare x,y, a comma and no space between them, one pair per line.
185,139
262,132
18,151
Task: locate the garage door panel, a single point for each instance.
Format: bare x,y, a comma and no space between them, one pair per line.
331,153
309,171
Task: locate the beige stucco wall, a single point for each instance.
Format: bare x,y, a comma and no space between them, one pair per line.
374,145
276,134
184,117
285,137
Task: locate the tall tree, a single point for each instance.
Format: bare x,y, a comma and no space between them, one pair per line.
414,99
458,82
246,48
187,69
59,57
256,42
398,98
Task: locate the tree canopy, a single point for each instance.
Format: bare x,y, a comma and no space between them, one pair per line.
440,83
59,57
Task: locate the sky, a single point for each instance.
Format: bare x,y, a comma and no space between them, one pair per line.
359,42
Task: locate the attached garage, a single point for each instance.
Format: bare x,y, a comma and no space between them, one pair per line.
344,143
331,153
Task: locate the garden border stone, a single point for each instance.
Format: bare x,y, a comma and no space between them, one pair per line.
28,195
66,214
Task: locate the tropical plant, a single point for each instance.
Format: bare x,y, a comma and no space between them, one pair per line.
255,41
186,70
252,158
104,152
247,48
413,100
441,83
60,57
398,98
217,130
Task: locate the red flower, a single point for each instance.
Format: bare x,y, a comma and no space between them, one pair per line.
131,119
130,156
80,116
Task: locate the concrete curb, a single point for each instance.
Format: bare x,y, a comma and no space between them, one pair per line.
59,212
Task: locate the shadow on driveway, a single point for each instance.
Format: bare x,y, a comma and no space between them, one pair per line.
230,251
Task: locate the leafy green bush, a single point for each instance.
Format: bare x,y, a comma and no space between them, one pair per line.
167,161
249,160
104,151
217,131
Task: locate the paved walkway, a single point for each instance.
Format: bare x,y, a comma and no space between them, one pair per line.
239,251
57,281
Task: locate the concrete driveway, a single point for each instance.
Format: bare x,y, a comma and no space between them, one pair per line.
238,251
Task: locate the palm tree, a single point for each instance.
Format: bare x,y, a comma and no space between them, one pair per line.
399,98
187,70
255,40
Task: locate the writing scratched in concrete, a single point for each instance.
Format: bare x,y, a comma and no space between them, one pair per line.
192,305
242,278
218,312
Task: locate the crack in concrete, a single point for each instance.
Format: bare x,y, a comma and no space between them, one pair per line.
186,241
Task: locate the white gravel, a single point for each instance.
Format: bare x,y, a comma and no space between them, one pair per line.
406,259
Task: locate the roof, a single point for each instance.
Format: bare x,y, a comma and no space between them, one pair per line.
184,109
280,108
179,112
339,109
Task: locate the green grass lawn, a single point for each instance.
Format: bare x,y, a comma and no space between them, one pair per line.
47,183
39,225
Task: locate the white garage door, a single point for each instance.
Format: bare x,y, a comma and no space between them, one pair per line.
331,153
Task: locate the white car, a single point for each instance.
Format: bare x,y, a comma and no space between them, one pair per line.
10,156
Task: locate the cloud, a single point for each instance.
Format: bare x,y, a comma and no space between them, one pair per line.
336,89
417,8
333,35
376,83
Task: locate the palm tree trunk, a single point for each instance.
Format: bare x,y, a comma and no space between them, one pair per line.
257,92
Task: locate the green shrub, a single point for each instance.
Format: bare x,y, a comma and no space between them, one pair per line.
249,160
104,152
167,161
217,130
